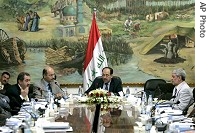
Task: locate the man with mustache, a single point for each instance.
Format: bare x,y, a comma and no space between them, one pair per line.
4,82
48,82
19,93
107,81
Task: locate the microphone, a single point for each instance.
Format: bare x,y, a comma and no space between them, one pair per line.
58,86
59,97
158,100
32,114
41,91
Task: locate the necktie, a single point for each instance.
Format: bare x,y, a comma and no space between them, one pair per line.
106,86
49,87
175,91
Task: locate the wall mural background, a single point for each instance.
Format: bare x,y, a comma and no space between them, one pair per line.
35,33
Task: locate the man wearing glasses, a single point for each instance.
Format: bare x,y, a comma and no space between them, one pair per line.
107,82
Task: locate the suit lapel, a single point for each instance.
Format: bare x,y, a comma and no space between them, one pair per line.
111,86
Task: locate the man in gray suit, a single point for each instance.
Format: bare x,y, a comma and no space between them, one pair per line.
182,93
48,82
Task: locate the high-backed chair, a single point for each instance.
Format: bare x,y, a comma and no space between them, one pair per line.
192,112
151,85
165,91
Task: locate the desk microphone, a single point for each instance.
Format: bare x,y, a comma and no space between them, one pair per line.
158,101
61,90
32,114
58,86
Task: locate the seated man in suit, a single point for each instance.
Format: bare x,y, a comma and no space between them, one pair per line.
108,82
182,93
48,82
19,93
4,82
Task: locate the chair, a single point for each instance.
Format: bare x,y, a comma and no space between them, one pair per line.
165,91
192,112
151,85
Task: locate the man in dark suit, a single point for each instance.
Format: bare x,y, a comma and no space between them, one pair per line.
4,82
108,82
4,100
19,93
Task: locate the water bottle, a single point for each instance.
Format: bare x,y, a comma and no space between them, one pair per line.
48,96
148,124
66,96
51,107
80,92
144,99
127,91
169,124
33,105
143,103
150,100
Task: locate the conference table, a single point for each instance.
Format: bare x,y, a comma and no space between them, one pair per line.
101,118
117,117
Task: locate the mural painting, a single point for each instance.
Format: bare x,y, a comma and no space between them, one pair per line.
142,39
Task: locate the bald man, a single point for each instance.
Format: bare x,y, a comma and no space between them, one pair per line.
48,82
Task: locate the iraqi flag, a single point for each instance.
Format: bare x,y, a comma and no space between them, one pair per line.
95,58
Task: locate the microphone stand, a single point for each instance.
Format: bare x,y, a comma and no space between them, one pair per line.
158,100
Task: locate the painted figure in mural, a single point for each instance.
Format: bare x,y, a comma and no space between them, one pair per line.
35,22
20,22
27,20
127,24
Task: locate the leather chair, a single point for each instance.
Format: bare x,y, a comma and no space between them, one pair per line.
150,86
185,111
165,91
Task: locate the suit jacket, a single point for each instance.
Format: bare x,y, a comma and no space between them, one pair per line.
184,97
4,101
41,88
13,92
115,85
6,86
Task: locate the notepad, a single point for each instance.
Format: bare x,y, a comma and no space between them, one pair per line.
56,125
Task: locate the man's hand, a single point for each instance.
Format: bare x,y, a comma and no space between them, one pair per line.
24,92
58,96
